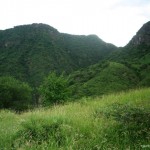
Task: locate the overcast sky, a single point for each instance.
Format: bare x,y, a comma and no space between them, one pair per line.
114,21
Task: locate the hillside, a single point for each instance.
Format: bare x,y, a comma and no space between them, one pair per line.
105,106
123,69
117,121
136,54
30,52
102,78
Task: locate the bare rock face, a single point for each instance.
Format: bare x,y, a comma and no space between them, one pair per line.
142,36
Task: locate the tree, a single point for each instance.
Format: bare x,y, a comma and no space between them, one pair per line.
54,89
14,94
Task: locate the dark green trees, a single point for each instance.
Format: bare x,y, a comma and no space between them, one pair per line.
54,89
30,52
14,94
17,95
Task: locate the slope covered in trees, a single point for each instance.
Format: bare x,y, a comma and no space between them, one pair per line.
30,52
125,68
116,121
101,79
136,54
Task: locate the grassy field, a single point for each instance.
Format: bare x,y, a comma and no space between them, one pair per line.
112,122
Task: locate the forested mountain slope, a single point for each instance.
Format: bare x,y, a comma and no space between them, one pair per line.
125,68
136,54
30,52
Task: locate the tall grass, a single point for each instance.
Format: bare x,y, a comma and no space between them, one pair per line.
117,121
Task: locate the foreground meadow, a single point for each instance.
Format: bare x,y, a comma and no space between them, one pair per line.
116,122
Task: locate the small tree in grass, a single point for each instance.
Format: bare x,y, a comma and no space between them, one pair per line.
14,94
54,89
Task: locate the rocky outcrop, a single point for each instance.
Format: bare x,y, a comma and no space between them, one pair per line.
142,36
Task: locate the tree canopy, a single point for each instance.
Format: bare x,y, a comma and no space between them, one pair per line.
14,94
54,89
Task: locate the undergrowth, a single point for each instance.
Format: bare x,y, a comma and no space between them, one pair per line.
116,122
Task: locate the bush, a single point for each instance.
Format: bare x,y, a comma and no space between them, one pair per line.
52,131
132,122
14,94
54,89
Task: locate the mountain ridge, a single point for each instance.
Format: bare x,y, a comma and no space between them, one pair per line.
142,36
133,60
30,52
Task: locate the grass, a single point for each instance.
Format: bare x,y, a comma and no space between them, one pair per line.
117,121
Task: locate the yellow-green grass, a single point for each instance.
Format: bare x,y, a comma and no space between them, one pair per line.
86,124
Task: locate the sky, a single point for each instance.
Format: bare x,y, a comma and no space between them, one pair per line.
114,21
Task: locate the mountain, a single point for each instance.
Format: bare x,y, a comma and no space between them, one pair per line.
136,54
127,67
141,44
137,48
30,52
142,37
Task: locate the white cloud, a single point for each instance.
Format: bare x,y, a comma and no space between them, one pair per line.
114,21
133,2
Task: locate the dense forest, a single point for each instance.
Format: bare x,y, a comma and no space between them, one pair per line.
30,52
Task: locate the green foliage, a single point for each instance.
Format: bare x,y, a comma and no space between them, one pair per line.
136,58
53,131
9,125
132,122
106,77
118,121
54,89
30,52
123,69
14,94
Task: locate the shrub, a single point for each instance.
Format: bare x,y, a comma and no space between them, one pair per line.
54,131
54,89
14,94
132,122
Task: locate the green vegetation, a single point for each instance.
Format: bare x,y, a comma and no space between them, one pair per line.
14,94
136,55
123,69
95,120
136,58
54,89
116,121
30,52
103,78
